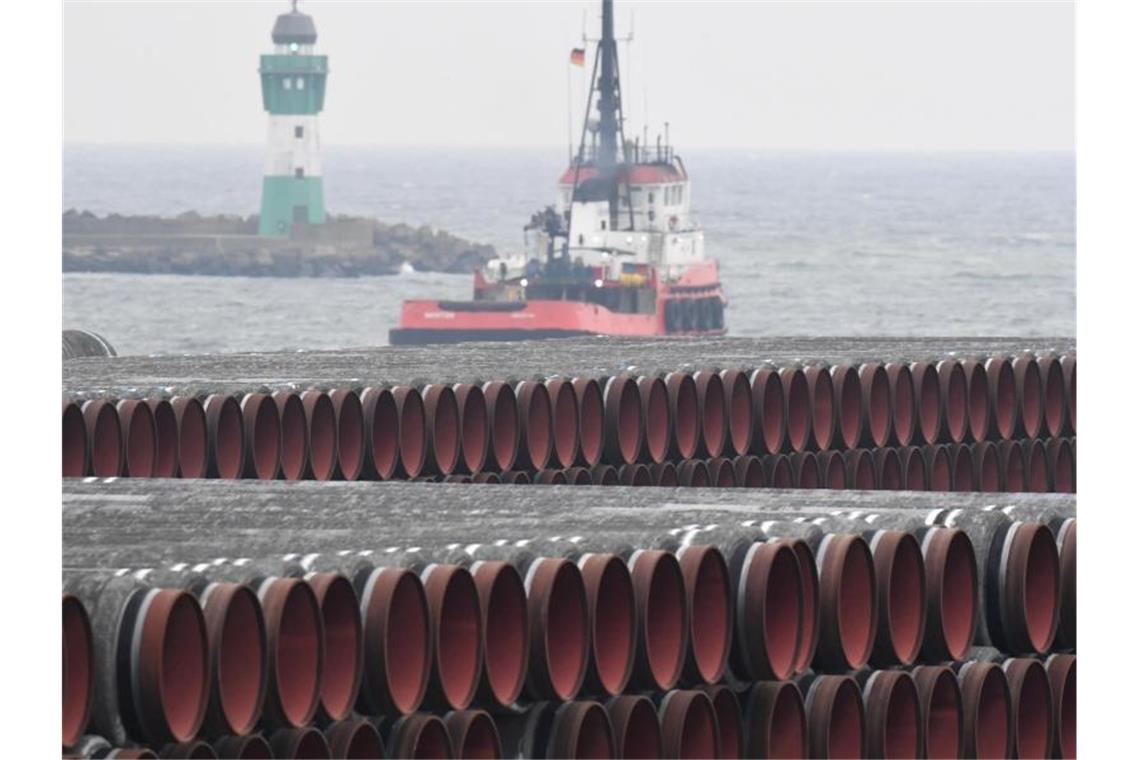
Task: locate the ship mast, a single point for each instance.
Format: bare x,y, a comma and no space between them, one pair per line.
609,92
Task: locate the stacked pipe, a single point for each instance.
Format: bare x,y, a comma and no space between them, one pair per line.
625,622
876,418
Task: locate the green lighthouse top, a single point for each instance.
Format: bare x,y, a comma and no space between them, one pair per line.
294,28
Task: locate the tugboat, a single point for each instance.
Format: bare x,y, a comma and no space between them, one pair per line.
619,253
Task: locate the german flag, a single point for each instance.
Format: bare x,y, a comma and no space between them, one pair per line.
578,57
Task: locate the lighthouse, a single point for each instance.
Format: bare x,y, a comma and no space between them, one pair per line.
293,92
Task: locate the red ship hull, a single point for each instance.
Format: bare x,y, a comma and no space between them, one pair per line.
687,306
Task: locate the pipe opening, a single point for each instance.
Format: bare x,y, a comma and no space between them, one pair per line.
138,426
505,631
727,711
382,431
986,467
954,399
637,731
783,596
404,646
78,676
297,650
857,604
823,407
929,401
914,470
355,739
1034,727
263,433
845,722
992,712
472,426
849,413
654,418
957,595
710,626
628,418
798,408
604,475
834,471
74,442
694,473
901,737
442,412
977,388
938,468
739,411
538,415
566,635
591,416
474,735
1036,467
766,387
182,676
412,429
888,470
698,735
1041,577
906,599
166,439
423,737
349,433
749,471
291,417
684,408
713,412
962,467
321,418
665,475
458,637
860,469
1032,406
1004,392
565,407
721,473
595,736
192,437
786,727
809,594
502,408
779,472
1063,679
241,653
226,437
943,715
1062,466
635,474
664,621
340,615
901,386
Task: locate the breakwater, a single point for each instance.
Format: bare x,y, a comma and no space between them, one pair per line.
229,245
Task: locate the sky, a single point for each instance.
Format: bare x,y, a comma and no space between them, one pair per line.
802,76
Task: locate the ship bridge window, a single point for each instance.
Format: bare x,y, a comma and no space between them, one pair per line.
298,132
680,193
287,83
300,83
603,224
299,172
651,196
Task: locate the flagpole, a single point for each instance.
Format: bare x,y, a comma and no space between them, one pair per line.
569,118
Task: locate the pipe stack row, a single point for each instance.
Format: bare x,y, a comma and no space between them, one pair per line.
349,619
997,423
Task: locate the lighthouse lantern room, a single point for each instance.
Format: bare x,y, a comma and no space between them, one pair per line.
293,92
